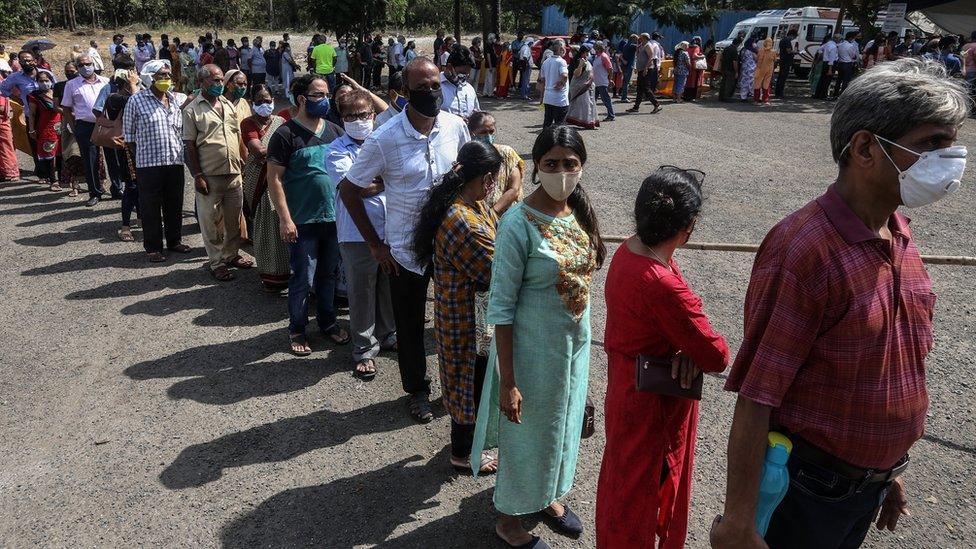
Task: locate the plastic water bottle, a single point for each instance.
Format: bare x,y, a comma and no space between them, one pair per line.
775,479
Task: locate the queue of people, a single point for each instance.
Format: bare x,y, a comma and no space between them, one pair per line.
397,197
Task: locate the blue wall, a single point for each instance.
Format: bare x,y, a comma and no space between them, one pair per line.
555,23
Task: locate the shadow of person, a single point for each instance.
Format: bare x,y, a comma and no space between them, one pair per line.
177,279
472,527
207,359
128,260
94,230
285,439
65,216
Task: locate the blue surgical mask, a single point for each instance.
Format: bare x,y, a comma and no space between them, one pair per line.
487,139
317,109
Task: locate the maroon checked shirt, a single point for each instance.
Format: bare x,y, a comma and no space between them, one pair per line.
838,322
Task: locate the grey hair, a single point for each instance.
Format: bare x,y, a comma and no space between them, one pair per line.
557,43
891,98
204,72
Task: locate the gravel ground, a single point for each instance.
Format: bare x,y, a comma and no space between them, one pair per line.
147,405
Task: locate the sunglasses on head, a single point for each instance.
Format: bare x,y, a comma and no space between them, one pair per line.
697,174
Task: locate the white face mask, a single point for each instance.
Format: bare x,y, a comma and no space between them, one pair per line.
359,129
264,109
559,185
934,176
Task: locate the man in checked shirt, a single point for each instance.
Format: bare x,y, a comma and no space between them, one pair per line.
838,321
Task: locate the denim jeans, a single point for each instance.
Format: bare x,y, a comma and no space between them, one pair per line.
314,259
823,510
628,74
524,86
604,95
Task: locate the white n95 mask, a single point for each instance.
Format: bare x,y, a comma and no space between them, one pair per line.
934,176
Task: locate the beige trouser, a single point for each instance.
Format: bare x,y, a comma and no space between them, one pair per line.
224,200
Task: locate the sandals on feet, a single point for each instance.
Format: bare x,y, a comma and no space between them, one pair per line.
365,369
488,465
73,192
420,407
241,263
299,345
337,335
125,235
156,257
55,187
180,249
222,273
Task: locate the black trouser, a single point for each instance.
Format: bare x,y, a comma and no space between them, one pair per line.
727,90
646,85
554,115
822,509
823,86
364,75
89,156
118,170
845,72
161,190
377,74
462,436
45,170
408,292
784,73
255,79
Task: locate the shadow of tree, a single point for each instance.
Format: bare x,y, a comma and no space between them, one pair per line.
287,438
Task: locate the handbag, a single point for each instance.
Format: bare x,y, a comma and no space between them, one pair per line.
654,376
106,131
701,65
589,418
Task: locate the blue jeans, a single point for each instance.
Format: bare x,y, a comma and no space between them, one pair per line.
628,74
524,87
314,260
604,95
823,510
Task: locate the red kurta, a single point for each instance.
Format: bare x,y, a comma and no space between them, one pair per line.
650,311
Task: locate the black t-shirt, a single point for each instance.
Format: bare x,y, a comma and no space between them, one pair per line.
115,104
729,56
785,51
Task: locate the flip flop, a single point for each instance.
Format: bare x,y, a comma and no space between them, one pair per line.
301,340
156,257
125,235
241,263
181,249
486,459
367,375
334,331
222,273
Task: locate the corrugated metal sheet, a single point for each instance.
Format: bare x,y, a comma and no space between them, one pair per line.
554,22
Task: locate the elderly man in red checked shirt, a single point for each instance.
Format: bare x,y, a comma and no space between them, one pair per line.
838,321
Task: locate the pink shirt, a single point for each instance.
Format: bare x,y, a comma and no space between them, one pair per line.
969,57
80,95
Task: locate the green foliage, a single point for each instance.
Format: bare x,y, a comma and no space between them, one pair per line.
18,16
614,17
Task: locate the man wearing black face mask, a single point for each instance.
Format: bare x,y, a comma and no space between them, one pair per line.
23,81
459,96
409,153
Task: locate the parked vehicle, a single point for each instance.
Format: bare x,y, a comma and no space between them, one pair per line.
764,24
542,44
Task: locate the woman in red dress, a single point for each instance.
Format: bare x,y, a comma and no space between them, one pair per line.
696,77
644,490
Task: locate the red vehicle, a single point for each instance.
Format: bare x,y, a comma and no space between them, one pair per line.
542,44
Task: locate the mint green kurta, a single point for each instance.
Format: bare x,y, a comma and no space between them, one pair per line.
540,285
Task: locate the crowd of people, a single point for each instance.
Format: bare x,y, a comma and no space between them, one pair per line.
381,196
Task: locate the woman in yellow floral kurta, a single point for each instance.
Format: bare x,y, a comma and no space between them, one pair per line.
456,233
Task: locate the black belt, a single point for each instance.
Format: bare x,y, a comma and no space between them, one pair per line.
806,451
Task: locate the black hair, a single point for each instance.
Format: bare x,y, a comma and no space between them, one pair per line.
736,41
475,159
478,118
460,56
581,54
258,88
300,85
396,81
669,200
570,138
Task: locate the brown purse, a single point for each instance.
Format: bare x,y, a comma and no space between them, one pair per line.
654,376
106,130
589,418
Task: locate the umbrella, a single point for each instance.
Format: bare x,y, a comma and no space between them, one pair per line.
42,44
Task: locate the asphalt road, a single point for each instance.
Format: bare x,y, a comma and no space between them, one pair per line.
147,405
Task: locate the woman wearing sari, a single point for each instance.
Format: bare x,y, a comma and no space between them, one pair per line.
270,251
696,77
8,155
582,94
503,74
747,69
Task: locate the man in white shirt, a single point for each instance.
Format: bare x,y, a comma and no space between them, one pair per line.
847,57
459,95
409,153
524,57
96,57
399,55
829,54
553,78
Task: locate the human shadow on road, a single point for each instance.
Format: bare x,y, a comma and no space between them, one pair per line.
288,438
472,527
38,199
66,216
176,279
103,231
34,209
129,260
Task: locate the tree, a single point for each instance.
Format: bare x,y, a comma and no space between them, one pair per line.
864,13
614,17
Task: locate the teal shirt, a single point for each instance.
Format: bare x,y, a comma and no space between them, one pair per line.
309,191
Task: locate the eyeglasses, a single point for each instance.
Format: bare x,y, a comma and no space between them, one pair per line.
697,174
354,116
315,95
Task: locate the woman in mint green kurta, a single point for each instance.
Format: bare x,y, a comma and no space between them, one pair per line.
546,250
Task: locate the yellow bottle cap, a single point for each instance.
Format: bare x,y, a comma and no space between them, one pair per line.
774,439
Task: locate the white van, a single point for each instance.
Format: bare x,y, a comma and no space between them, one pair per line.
764,24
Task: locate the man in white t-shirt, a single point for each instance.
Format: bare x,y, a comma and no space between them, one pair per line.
553,77
409,153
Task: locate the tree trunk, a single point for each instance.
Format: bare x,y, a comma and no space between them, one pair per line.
496,9
485,22
840,17
457,21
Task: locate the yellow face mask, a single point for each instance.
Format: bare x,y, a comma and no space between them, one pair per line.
163,85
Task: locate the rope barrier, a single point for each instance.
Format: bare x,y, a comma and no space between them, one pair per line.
959,260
